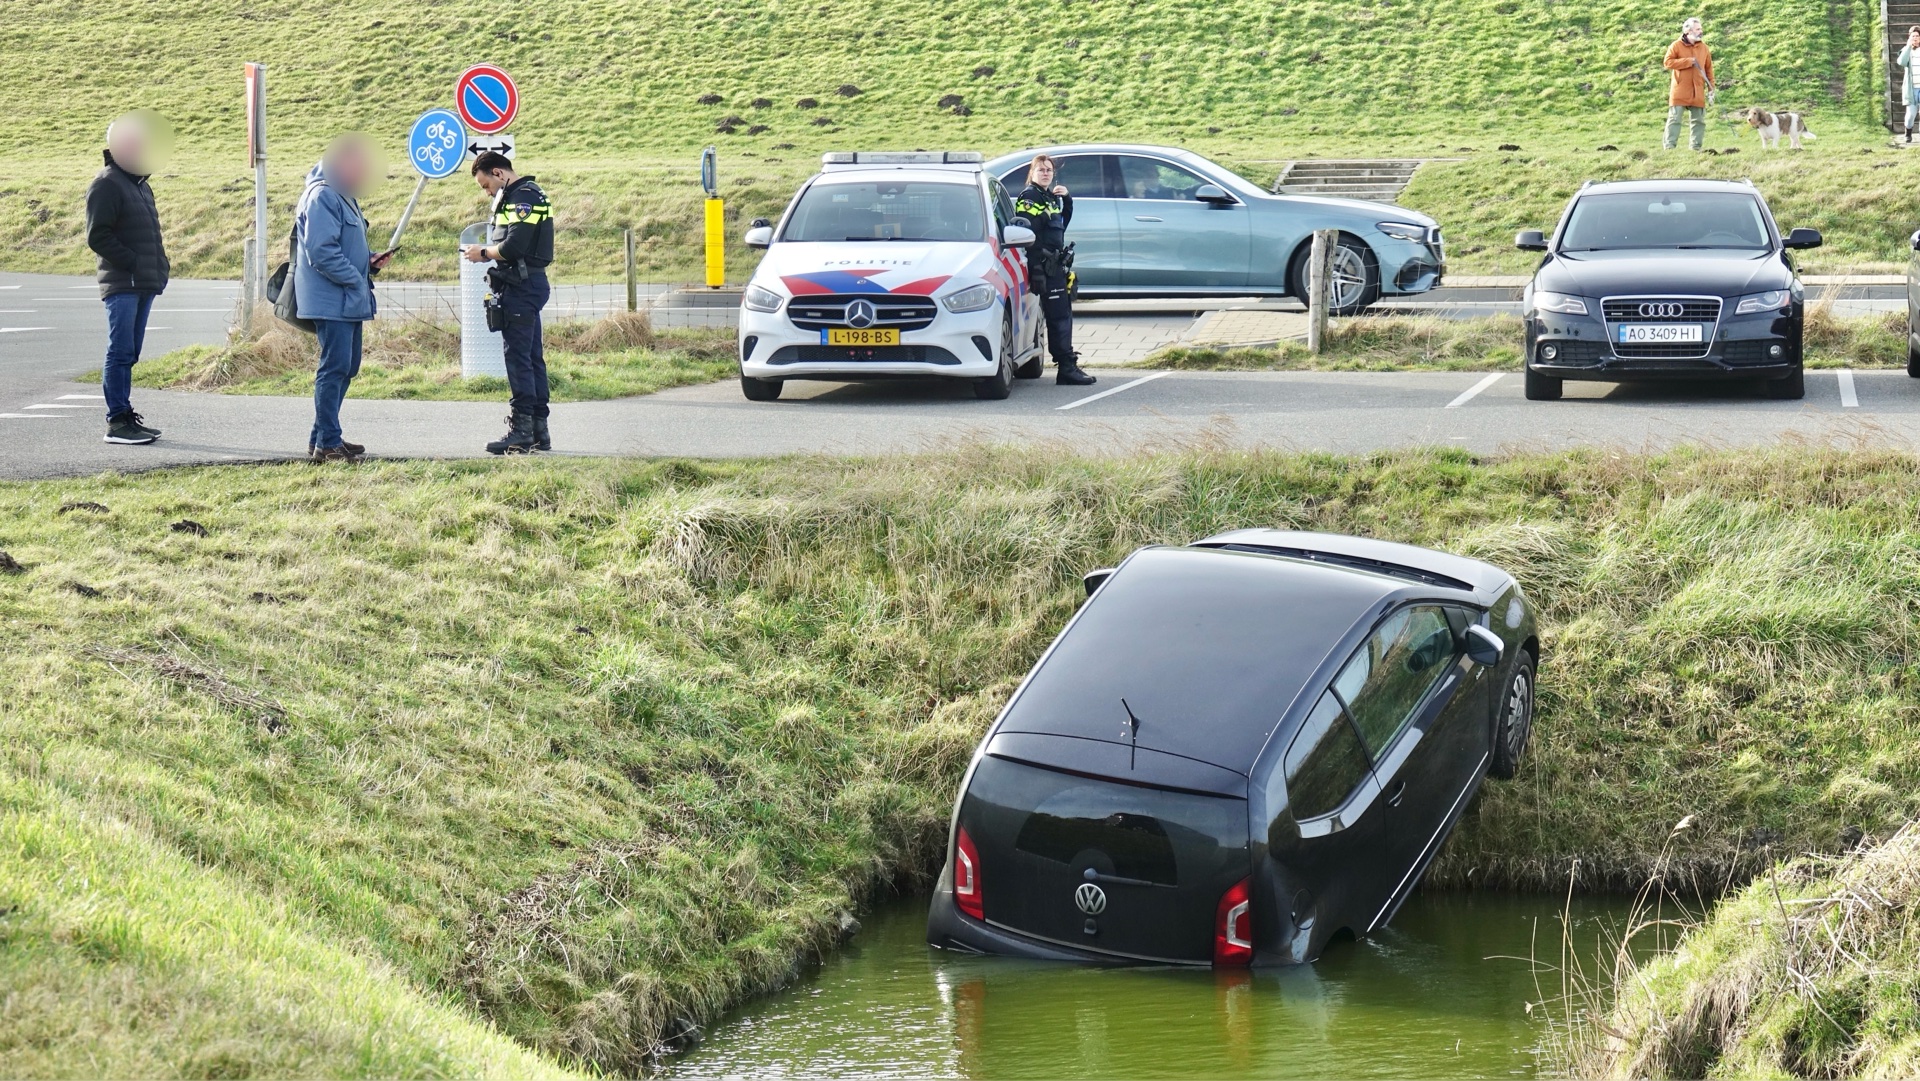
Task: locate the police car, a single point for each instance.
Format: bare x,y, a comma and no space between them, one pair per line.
888,265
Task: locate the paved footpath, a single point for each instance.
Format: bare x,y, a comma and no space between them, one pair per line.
51,426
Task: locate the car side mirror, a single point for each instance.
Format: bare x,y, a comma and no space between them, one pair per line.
1484,646
1805,238
1092,579
1531,240
760,236
1017,236
1212,193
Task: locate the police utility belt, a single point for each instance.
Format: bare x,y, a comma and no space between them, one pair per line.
499,280
1051,262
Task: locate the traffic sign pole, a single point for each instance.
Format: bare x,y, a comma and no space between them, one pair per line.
436,148
407,214
256,269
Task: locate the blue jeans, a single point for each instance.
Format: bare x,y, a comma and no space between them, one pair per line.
126,333
339,363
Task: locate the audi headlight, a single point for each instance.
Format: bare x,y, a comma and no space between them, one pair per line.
1563,303
1771,301
971,299
1403,230
758,299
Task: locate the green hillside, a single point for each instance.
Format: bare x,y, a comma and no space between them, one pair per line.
614,118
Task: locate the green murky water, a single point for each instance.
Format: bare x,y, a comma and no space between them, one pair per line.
1442,993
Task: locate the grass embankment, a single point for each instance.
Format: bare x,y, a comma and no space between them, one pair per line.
598,748
1812,971
1386,343
617,105
615,357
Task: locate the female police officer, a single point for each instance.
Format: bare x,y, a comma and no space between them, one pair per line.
1048,208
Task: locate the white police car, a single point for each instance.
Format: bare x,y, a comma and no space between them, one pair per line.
887,265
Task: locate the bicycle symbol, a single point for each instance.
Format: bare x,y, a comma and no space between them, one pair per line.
440,138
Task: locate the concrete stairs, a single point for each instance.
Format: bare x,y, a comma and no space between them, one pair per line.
1378,179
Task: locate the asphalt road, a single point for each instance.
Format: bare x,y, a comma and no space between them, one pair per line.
51,329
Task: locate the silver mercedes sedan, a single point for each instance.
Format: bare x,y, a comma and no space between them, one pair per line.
1161,222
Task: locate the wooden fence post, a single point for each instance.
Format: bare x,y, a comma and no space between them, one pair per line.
1319,286
633,276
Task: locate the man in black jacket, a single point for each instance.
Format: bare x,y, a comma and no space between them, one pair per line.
520,243
123,229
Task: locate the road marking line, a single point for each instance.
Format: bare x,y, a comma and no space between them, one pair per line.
20,330
1078,402
1848,400
59,407
32,416
81,398
1468,394
18,311
9,287
175,311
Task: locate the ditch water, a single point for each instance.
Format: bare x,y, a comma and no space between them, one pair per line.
1443,992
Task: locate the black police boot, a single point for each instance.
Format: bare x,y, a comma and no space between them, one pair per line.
519,438
1070,374
541,439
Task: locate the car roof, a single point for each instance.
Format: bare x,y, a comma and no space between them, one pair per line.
1207,646
1598,187
1060,150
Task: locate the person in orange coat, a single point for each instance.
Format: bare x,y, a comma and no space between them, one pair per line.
1692,68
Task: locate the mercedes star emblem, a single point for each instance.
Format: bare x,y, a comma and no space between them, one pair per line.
1090,898
861,314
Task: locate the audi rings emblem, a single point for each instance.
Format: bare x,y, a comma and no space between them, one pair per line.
1090,898
861,314
1662,310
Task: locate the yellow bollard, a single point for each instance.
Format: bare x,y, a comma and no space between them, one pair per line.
716,244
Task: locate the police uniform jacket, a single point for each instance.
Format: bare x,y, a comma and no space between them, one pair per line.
1047,215
523,226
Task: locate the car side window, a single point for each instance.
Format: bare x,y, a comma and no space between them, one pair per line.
1325,763
1002,206
1150,178
1392,672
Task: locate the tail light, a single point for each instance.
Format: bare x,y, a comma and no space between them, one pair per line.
1233,926
966,877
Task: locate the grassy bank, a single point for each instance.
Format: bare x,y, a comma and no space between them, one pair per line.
616,357
1812,971
598,748
616,108
1386,343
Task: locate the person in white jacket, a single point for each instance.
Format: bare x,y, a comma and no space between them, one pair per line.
1910,85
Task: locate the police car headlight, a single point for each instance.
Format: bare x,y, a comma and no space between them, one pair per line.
758,299
971,299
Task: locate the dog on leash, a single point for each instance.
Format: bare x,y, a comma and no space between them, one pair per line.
1772,126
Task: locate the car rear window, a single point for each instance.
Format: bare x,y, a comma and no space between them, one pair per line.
840,211
1693,219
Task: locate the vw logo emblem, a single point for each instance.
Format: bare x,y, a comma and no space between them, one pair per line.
861,314
1661,310
1090,898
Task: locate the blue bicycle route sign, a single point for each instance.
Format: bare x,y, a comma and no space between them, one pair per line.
437,145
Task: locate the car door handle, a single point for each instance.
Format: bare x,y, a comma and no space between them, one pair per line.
1147,217
1396,793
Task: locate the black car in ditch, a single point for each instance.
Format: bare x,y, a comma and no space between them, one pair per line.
1653,279
1238,750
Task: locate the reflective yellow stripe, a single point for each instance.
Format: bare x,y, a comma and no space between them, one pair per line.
540,212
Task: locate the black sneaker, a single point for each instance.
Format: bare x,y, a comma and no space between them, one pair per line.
126,428
354,449
322,455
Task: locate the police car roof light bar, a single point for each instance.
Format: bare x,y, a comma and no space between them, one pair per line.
901,157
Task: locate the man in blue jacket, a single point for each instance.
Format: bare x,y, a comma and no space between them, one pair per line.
123,229
333,283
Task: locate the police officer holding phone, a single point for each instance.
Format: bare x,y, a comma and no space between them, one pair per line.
520,245
1048,207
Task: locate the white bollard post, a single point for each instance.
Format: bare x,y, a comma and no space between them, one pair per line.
247,298
481,350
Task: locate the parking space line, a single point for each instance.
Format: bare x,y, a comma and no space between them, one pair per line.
1078,402
79,398
34,416
57,406
1848,400
20,330
1469,394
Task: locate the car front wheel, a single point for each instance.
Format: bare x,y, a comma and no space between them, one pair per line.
1543,388
1516,720
1356,276
1788,387
760,390
1000,384
1913,357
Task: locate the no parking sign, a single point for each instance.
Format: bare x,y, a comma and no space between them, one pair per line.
486,98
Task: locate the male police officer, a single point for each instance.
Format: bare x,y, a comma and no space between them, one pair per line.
1048,207
520,243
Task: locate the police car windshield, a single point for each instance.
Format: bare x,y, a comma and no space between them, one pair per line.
1691,219
888,210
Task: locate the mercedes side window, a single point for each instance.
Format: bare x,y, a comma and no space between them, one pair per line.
1325,763
1393,671
1084,176
1148,178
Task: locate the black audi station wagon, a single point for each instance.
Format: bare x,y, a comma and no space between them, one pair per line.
1653,279
1238,750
